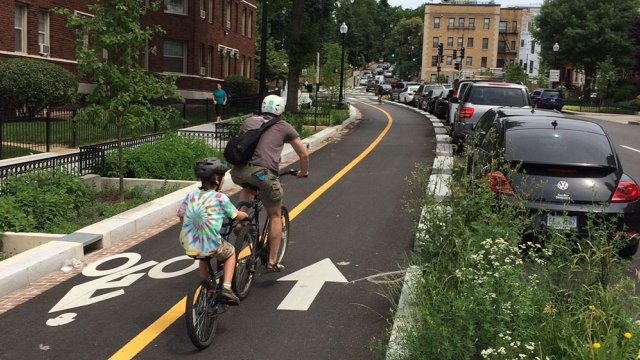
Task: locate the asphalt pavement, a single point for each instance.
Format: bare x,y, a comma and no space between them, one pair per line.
348,215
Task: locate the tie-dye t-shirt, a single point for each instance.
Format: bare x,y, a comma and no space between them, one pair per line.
203,213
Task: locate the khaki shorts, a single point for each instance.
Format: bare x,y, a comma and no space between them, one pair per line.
222,253
262,178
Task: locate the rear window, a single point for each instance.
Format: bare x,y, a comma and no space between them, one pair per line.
552,94
500,96
438,92
544,146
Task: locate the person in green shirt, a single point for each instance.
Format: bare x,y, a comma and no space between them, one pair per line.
219,100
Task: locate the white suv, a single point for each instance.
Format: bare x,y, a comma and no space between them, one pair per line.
480,97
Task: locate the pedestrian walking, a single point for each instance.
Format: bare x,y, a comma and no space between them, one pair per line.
219,100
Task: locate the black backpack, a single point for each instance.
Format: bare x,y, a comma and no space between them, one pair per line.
241,147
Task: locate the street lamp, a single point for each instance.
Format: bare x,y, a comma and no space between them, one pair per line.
556,48
343,32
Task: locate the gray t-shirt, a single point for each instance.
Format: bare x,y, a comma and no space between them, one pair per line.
271,142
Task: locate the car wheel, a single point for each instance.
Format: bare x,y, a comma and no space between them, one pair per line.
630,249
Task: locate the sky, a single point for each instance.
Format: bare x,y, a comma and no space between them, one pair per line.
412,4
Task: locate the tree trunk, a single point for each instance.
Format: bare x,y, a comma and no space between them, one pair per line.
297,14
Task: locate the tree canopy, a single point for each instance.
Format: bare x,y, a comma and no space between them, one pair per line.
588,32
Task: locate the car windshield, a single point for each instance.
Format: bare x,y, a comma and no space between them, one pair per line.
438,92
544,146
413,88
502,96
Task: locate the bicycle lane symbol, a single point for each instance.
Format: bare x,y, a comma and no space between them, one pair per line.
115,278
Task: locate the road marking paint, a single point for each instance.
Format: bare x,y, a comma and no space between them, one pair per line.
630,148
143,339
150,333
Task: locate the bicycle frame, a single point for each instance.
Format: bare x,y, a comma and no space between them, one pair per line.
254,221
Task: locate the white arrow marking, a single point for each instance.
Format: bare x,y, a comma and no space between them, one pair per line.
309,282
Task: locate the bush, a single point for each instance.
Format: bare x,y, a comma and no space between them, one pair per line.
28,86
172,157
238,86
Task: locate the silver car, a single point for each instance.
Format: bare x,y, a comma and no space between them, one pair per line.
480,97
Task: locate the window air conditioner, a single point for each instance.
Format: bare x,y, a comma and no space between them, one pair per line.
203,14
203,71
44,49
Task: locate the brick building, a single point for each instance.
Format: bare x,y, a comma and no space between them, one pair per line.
205,40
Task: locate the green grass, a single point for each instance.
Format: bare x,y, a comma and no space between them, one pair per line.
595,109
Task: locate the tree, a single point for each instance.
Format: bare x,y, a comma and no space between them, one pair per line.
405,41
588,31
125,93
606,78
516,73
28,86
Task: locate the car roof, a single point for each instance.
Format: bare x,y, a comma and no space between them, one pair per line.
498,84
507,111
552,122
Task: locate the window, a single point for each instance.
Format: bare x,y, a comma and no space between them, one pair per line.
449,59
250,25
486,23
227,14
502,26
483,62
530,66
500,63
435,41
469,61
433,78
521,43
242,66
236,11
533,47
202,60
210,61
43,27
460,42
485,43
175,56
525,66
461,22
243,24
436,23
20,28
434,60
451,22
450,42
514,26
513,45
249,67
202,8
472,23
501,47
210,11
521,63
470,42
176,6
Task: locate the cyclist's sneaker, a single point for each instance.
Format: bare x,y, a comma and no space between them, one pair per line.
228,296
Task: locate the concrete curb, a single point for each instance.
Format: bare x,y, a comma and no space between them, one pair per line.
438,187
22,269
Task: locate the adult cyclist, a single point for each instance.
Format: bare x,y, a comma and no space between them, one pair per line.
262,170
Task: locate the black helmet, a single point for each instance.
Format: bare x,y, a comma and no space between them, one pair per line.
206,167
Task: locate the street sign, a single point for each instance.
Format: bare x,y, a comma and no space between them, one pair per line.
554,75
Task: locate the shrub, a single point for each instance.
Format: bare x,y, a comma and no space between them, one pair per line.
28,86
237,86
172,157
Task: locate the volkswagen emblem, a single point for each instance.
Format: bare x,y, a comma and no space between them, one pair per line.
562,185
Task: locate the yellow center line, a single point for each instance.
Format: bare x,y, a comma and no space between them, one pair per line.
144,338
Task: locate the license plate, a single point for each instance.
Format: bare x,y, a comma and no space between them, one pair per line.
562,222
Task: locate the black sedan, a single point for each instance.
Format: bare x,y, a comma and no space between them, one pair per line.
565,168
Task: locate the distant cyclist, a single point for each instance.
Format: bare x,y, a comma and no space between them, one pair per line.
380,92
262,170
202,213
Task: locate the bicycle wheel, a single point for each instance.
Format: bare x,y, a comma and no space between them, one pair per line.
245,262
284,239
202,319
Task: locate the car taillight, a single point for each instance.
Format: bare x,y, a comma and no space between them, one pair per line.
498,184
627,191
466,112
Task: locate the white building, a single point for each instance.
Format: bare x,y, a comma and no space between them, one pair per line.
529,54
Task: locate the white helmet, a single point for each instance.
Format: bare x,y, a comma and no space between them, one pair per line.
273,104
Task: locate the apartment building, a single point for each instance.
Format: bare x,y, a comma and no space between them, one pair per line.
509,36
529,54
205,40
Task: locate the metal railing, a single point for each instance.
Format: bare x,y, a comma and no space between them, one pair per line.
79,164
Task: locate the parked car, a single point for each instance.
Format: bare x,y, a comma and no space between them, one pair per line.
429,101
386,89
535,95
562,184
407,96
441,104
480,97
458,91
400,87
388,73
421,94
548,99
363,81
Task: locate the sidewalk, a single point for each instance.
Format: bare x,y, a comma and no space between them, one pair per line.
618,118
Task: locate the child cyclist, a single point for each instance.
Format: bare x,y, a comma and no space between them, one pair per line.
202,213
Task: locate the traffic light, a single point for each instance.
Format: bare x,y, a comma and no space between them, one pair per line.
440,50
455,55
414,59
456,66
393,55
462,53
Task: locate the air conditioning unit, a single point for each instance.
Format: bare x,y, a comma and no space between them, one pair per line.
203,71
44,50
203,14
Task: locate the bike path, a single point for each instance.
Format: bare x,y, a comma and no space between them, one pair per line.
358,223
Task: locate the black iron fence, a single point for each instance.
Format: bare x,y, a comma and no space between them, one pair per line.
79,164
